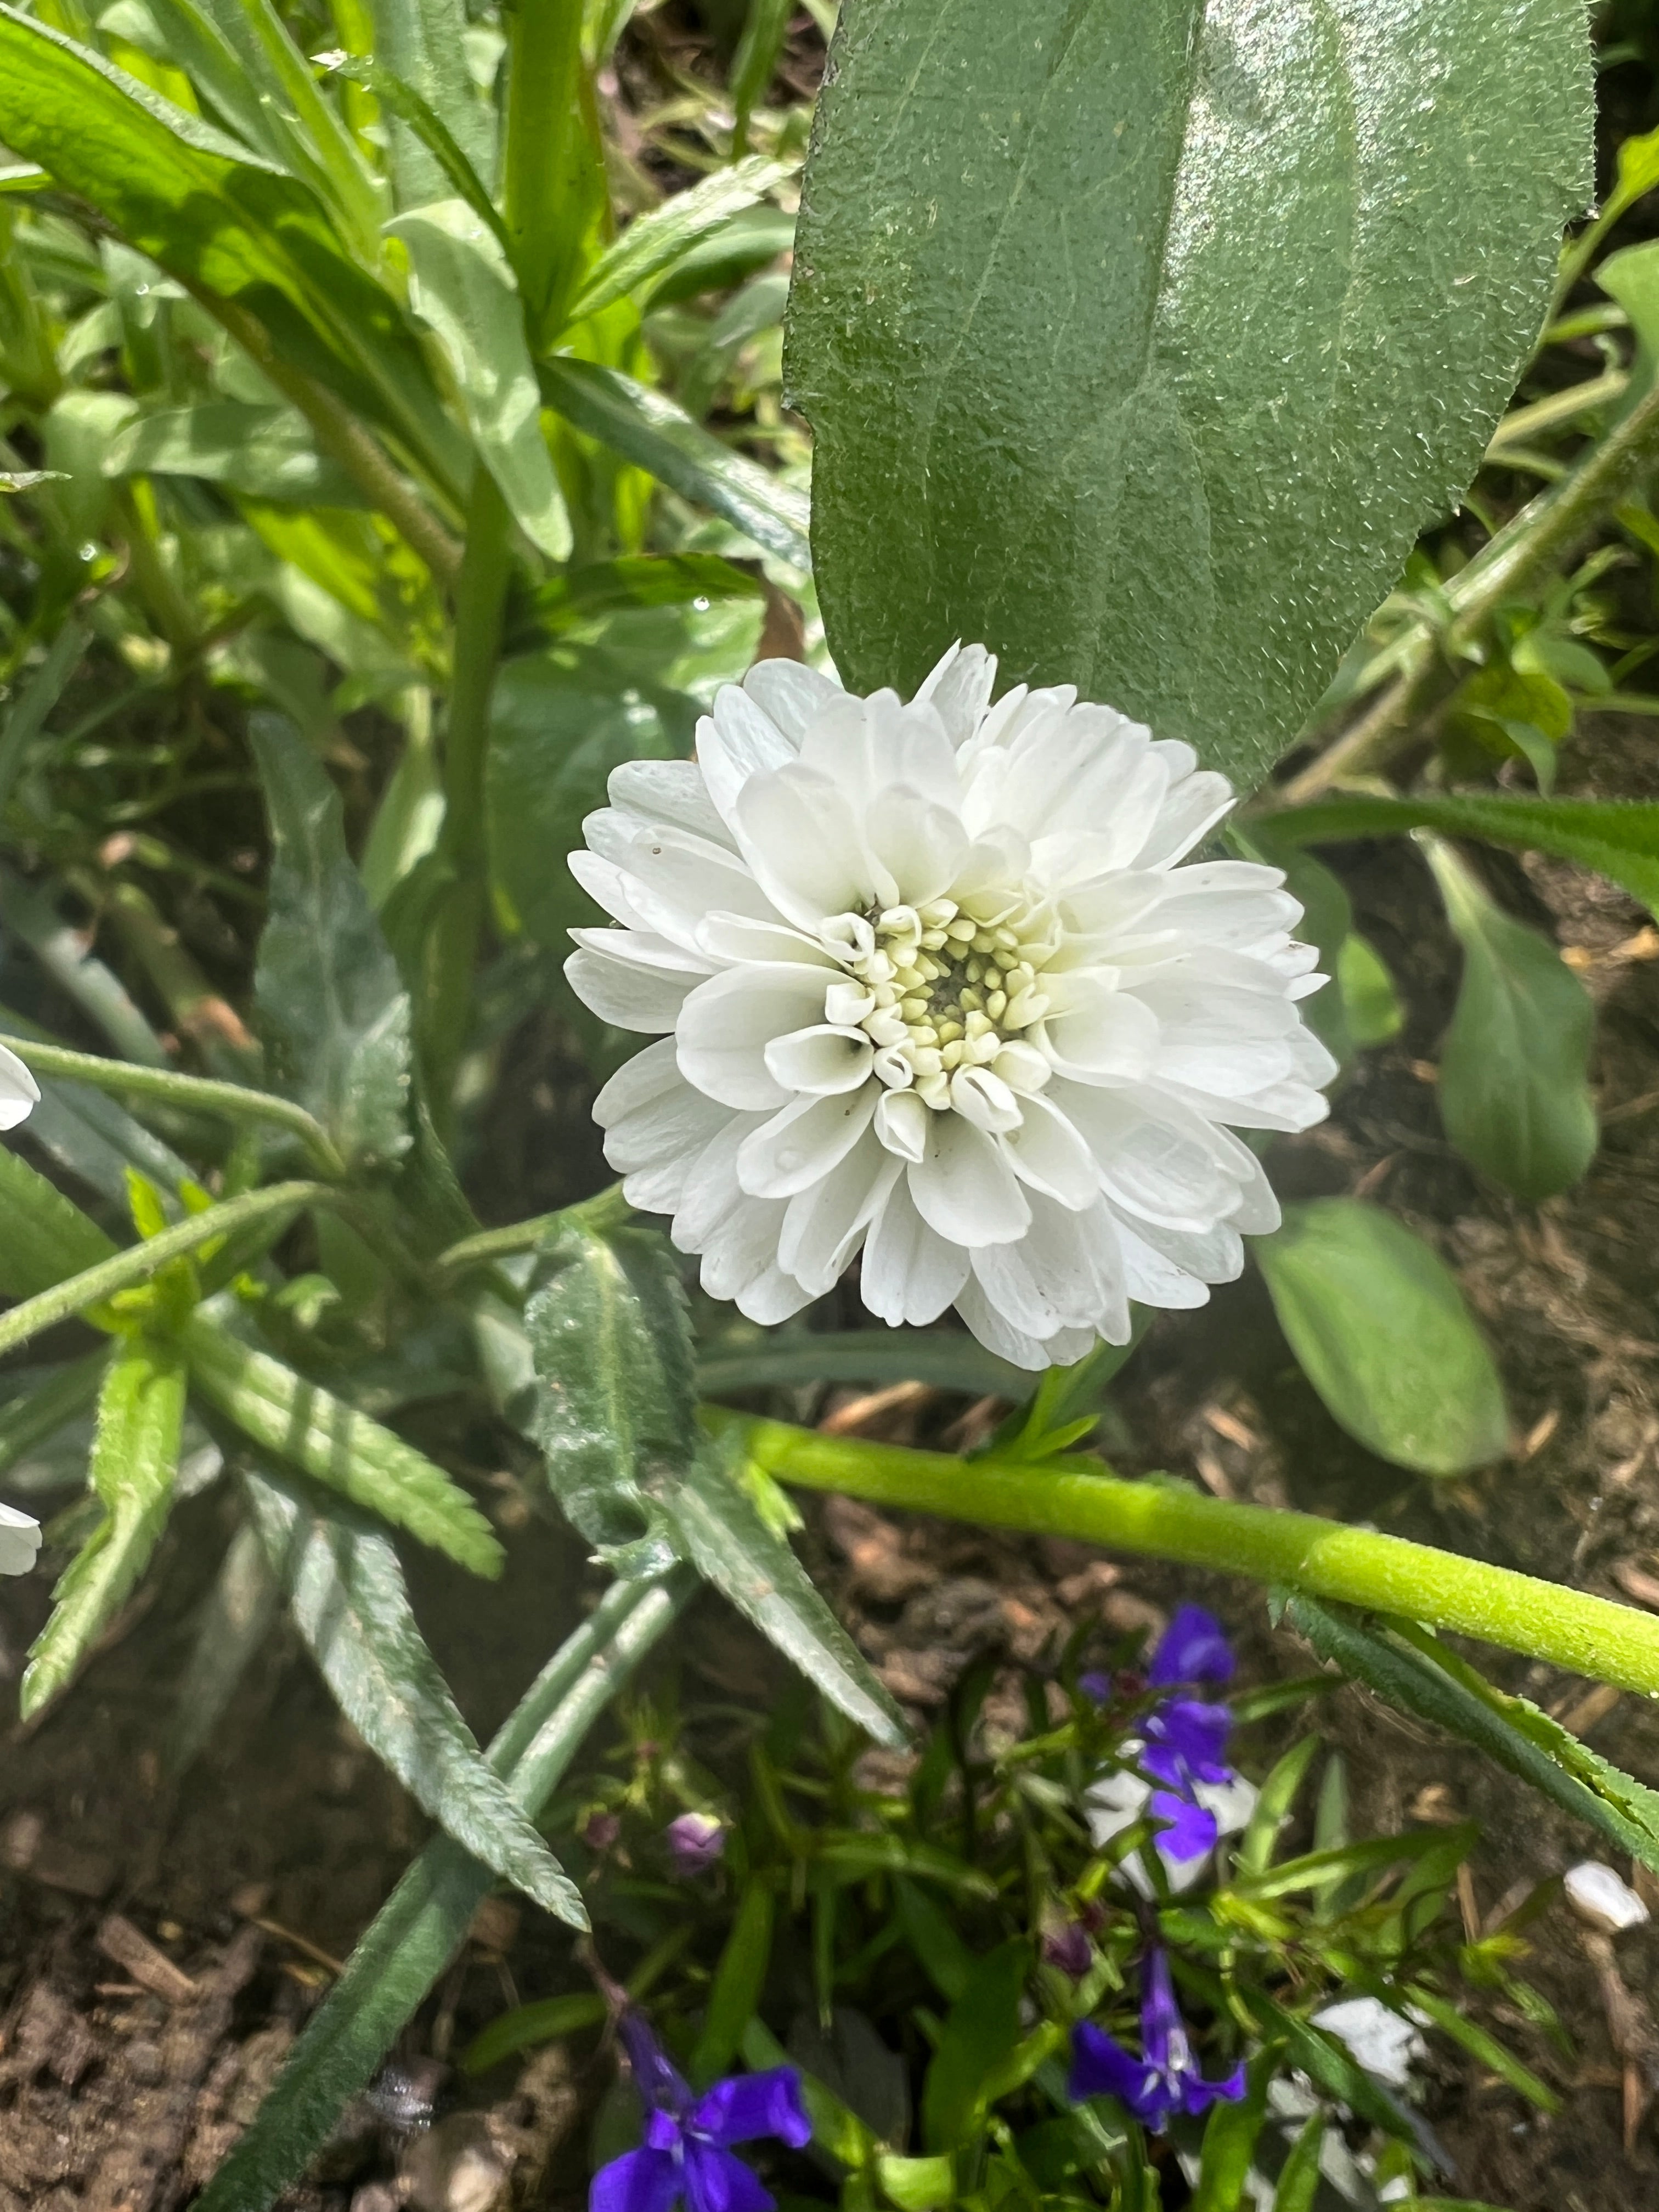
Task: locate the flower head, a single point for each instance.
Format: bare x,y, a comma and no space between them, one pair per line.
19,1542
686,2153
1164,2079
696,1841
932,986
1184,1782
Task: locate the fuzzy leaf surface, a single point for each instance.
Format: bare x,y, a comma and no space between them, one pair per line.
1115,328
346,1591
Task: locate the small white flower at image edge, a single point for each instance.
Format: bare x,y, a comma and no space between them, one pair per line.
1381,2040
19,1091
1603,1899
19,1542
935,987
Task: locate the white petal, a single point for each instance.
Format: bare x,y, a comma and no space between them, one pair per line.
909,1274
623,993
997,1334
964,1188
1098,1031
802,840
668,790
738,937
1193,807
734,743
790,695
1153,1278
982,1096
958,689
671,1119
801,1145
19,1542
872,744
1602,1899
921,845
726,1024
712,1189
1154,1160
824,1227
1048,1154
823,1061
19,1090
901,1124
1378,2038
741,1248
771,1296
1064,1273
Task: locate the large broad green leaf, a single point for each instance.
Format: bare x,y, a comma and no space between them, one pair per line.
1115,329
1617,837
1380,1330
332,1005
721,1533
265,452
1514,1088
135,1456
417,1930
309,1429
461,285
1416,1672
346,1591
648,428
222,219
616,1413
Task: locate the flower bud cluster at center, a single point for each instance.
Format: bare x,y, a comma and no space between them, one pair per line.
941,990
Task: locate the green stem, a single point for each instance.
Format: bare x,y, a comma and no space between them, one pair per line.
189,1091
607,1209
1296,1551
136,1263
457,921
1544,532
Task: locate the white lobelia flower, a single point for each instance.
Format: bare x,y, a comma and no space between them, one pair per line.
19,1542
929,983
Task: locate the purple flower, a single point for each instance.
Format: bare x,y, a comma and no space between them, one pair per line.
696,1841
686,2152
1193,1647
1164,2080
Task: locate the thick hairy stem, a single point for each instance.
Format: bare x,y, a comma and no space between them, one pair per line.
1075,1498
1546,530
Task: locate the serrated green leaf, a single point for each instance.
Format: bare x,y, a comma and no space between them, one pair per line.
1513,1090
266,452
418,1930
648,428
1380,1328
1050,412
134,1456
462,287
308,1428
224,219
1617,837
1422,1676
722,1533
615,1414
334,1012
654,245
346,1591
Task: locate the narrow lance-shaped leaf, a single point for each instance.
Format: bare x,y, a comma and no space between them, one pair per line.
346,1591
134,1456
655,243
266,453
1619,838
1424,1677
462,287
417,1930
334,1012
615,1412
722,1533
1119,352
225,222
1513,1090
47,1237
1380,1328
423,44
233,1622
335,1445
648,428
